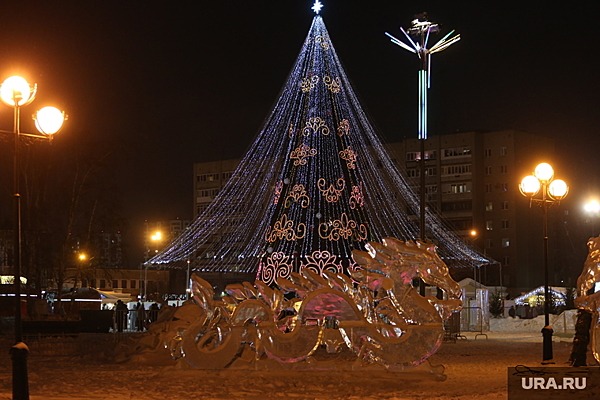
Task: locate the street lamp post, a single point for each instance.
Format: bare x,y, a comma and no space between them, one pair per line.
82,258
155,238
548,191
474,237
16,92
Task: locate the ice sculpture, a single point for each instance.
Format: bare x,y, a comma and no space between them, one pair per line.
376,313
590,277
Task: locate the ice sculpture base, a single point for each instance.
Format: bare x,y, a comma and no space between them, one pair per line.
344,360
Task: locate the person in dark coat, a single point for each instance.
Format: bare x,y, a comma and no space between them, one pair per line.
141,316
121,315
153,313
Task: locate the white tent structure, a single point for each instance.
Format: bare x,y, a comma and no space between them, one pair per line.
88,294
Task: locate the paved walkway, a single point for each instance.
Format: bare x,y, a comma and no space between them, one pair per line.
517,336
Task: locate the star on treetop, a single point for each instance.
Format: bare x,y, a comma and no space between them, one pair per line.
317,6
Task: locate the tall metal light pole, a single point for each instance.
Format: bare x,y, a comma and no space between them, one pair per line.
156,238
550,191
16,92
83,258
418,37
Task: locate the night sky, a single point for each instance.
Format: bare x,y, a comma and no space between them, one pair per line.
166,84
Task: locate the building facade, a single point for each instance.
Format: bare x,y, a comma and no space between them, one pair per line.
472,180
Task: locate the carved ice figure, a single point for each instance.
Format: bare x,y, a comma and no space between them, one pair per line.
589,277
376,313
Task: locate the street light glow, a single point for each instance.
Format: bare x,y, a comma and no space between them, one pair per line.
558,189
530,186
544,172
17,92
592,206
49,120
156,236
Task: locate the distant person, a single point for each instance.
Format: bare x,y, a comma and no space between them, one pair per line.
581,340
141,316
133,317
121,315
153,313
512,312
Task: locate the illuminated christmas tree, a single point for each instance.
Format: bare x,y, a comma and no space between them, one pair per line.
316,183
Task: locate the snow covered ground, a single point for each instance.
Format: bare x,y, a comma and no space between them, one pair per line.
475,368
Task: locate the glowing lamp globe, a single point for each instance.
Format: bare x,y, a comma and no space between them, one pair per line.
544,172
592,206
49,120
16,91
156,236
558,189
530,186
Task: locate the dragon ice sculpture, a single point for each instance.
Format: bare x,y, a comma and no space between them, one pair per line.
376,313
589,277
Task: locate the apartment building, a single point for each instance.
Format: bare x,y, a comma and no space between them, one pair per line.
471,180
209,178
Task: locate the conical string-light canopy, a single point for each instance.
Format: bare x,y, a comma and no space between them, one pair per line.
315,184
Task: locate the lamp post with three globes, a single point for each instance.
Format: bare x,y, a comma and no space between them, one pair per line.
16,92
542,189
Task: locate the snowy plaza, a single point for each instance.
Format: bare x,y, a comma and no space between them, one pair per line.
476,368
